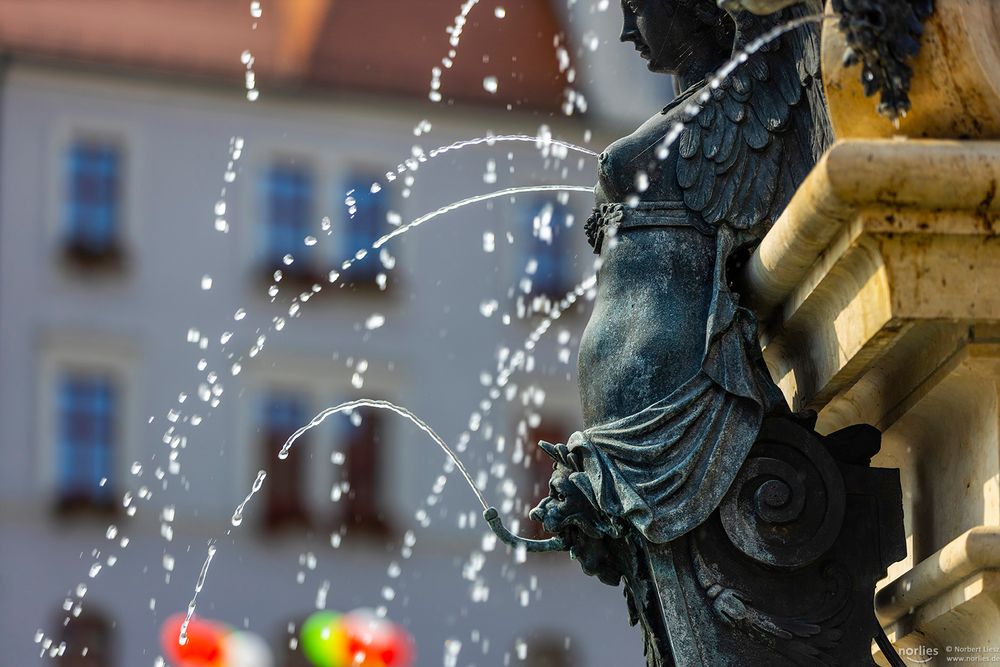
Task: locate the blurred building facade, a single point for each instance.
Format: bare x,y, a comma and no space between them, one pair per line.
168,318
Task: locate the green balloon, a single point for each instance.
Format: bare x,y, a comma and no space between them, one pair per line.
324,641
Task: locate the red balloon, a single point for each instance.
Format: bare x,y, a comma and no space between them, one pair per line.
380,642
204,646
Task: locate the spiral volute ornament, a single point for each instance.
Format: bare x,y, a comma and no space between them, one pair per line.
786,506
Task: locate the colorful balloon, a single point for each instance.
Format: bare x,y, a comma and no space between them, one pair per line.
324,640
204,643
376,642
245,649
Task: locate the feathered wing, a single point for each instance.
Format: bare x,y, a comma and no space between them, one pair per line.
758,135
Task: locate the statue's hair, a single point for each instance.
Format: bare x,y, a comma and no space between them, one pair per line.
720,23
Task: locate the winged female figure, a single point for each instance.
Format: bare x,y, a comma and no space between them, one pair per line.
673,387
674,391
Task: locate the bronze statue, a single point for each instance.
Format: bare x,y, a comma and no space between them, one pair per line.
741,535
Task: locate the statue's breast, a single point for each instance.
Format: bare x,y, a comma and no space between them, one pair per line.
630,165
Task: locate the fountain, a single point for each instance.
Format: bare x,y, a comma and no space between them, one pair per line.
741,534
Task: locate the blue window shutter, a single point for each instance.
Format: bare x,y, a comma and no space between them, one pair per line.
289,192
549,247
91,221
364,226
86,444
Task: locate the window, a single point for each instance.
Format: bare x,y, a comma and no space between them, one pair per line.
88,640
361,446
92,215
283,414
86,405
366,214
289,194
550,254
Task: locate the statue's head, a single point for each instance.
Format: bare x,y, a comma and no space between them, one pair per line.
669,33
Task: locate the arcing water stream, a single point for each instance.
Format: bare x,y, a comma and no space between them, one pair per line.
516,360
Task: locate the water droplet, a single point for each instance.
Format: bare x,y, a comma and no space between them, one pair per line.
490,84
641,181
452,647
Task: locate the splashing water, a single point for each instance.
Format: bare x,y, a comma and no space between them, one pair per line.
401,411
455,30
182,635
490,140
476,199
257,483
691,112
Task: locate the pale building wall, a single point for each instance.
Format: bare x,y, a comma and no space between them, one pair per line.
428,357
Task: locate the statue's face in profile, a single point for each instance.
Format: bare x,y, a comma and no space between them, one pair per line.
662,31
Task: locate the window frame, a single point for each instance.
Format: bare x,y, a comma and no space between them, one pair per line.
84,353
92,152
526,210
303,514
309,263
127,137
376,521
331,172
350,176
71,498
325,383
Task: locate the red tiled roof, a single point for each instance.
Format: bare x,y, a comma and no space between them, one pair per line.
394,44
365,45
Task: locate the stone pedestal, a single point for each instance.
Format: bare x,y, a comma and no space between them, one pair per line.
879,295
878,292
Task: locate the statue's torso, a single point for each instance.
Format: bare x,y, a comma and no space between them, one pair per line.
655,284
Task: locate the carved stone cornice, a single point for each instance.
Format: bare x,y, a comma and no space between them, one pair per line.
883,234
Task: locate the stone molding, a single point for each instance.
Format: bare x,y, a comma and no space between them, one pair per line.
882,235
975,551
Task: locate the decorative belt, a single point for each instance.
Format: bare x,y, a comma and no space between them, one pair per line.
644,214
